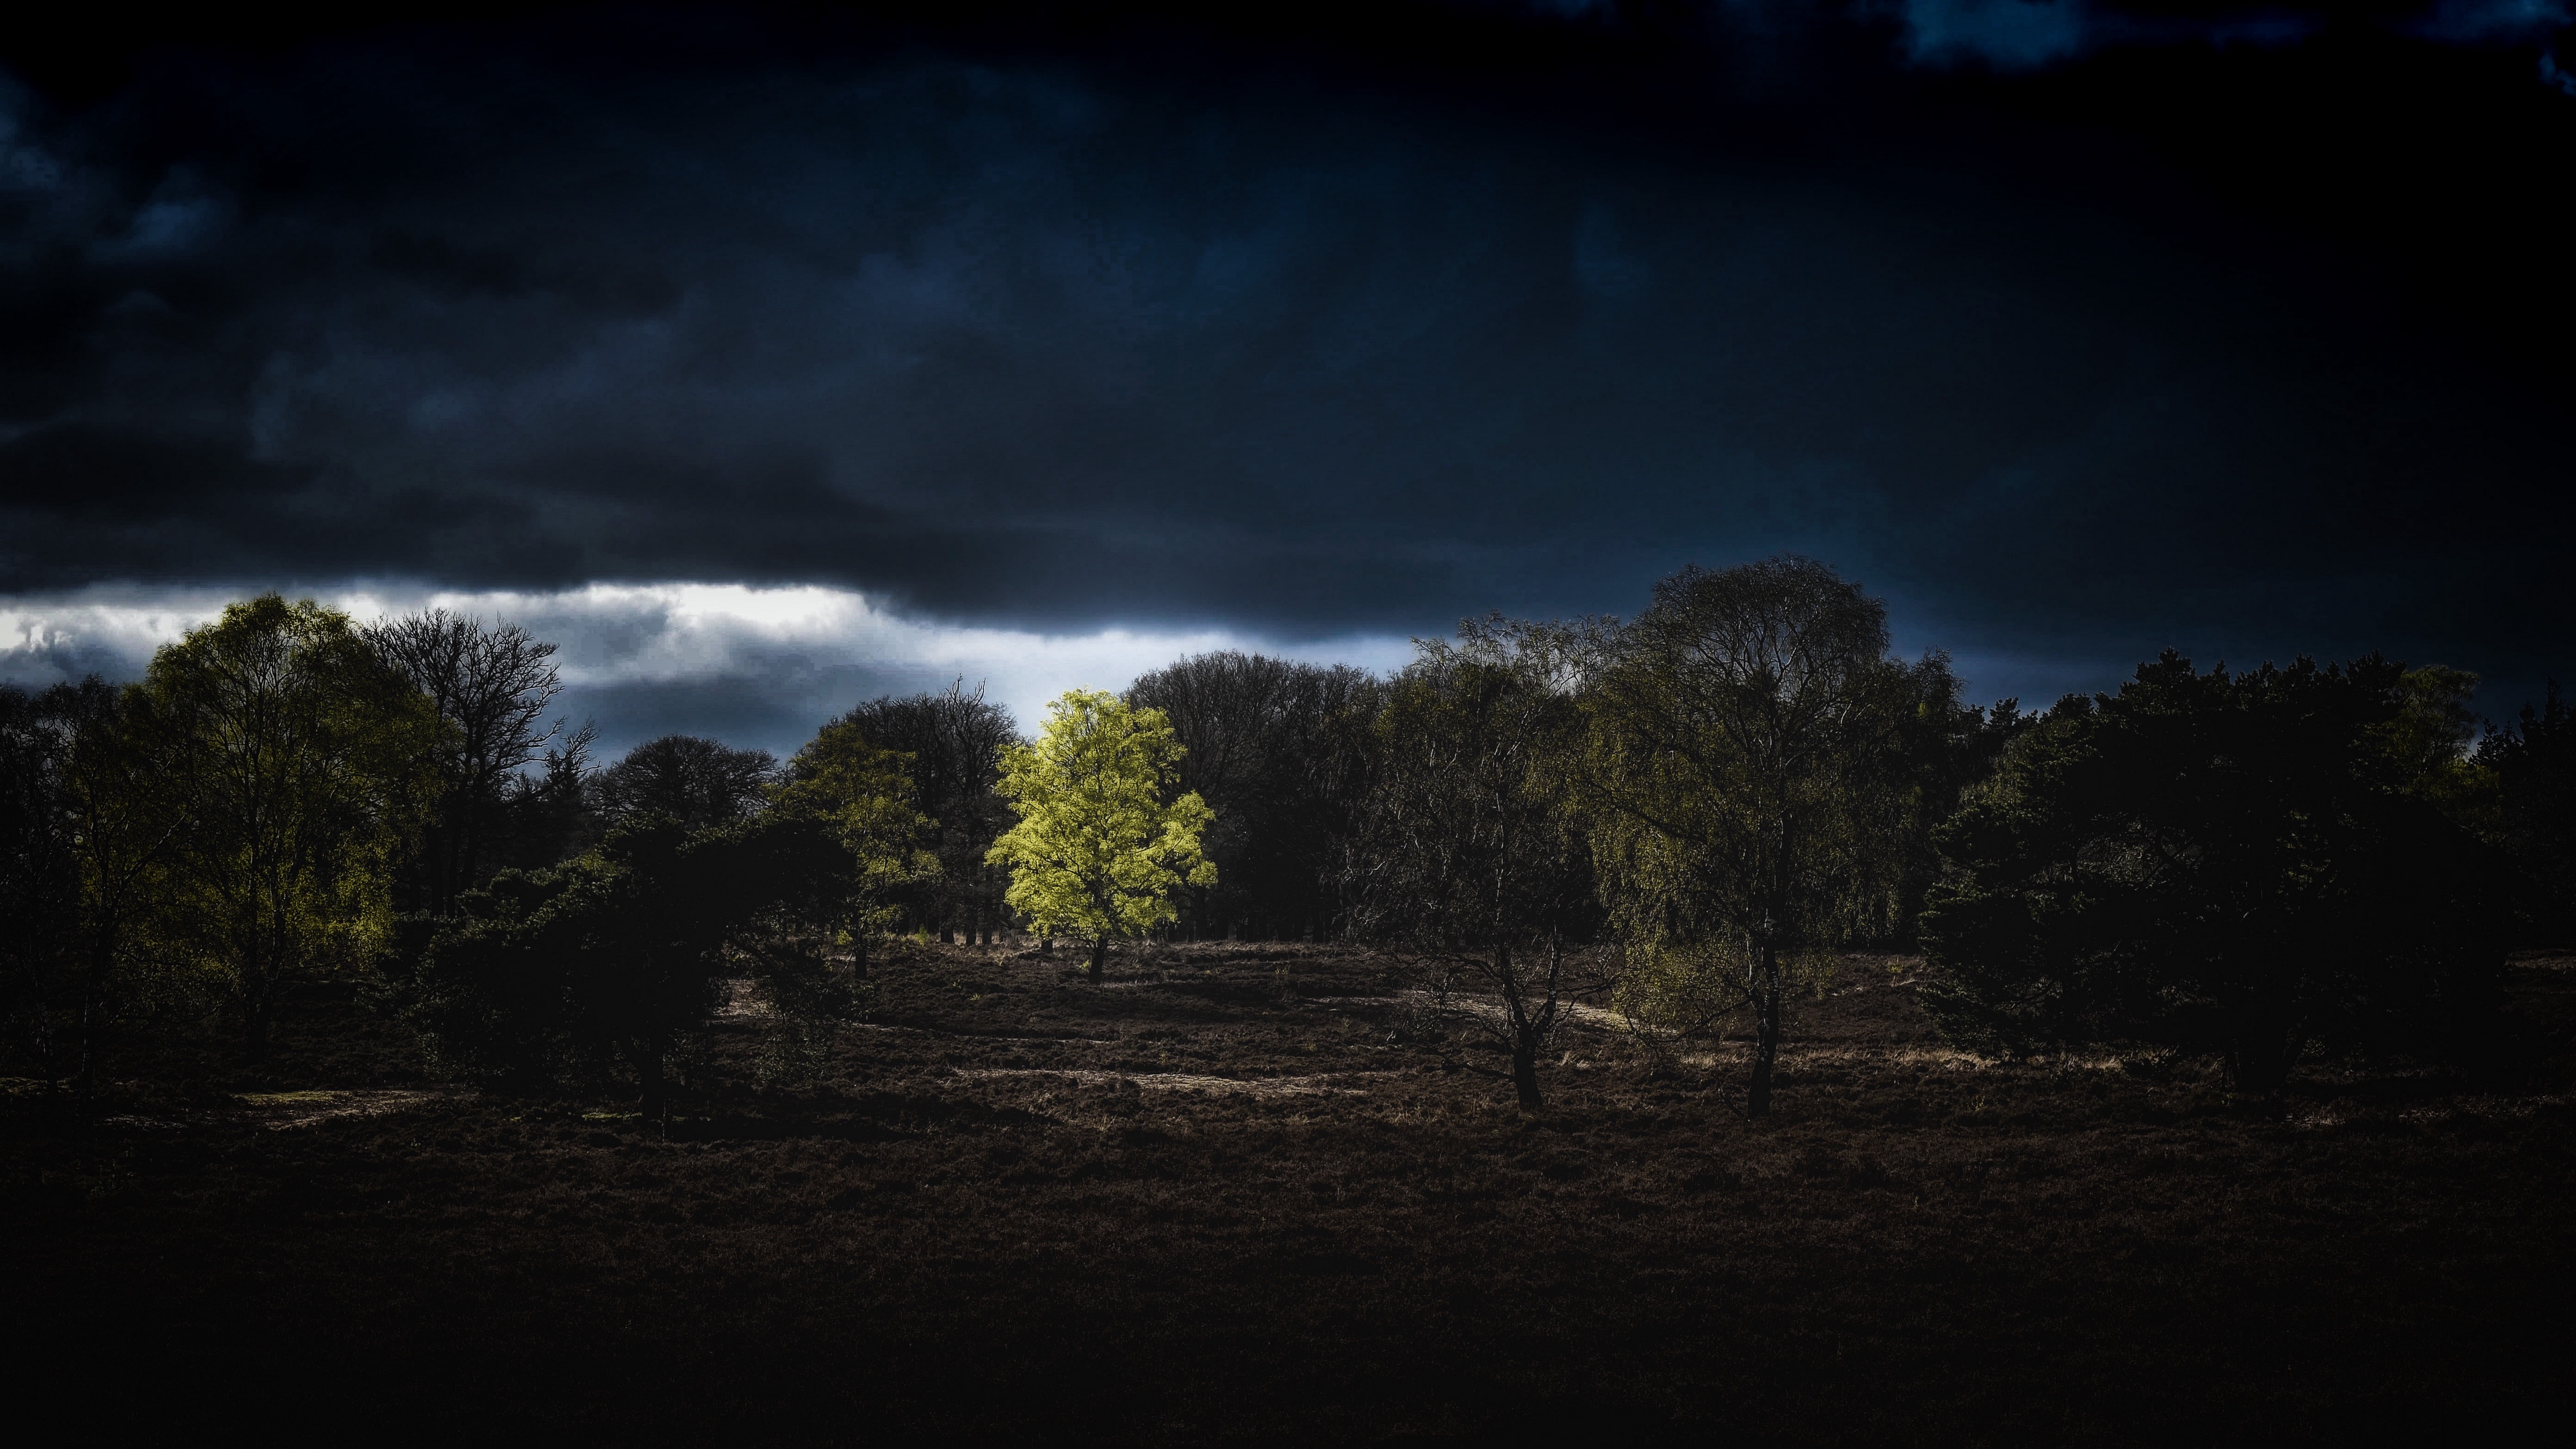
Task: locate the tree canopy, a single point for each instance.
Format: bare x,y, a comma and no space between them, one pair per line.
1467,856
951,743
862,796
1745,735
1277,749
619,957
489,686
699,782
297,757
2218,862
2527,808
40,876
1098,851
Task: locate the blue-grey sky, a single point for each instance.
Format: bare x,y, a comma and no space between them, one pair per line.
776,359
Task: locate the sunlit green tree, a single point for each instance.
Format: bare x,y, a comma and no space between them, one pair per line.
1098,851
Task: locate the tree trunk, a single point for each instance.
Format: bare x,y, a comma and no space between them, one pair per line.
93,1017
1099,958
2258,1062
1766,1033
1525,1033
2259,1057
84,1079
859,954
255,1015
655,1096
1525,1072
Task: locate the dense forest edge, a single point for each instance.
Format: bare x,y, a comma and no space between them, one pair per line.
1685,820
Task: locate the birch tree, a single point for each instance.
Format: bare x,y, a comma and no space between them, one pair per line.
1742,728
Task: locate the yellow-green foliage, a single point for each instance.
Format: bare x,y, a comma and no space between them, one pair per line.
866,795
1743,743
1097,853
298,763
1685,986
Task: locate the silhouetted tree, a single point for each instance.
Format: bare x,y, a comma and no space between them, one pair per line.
621,956
1270,743
1467,860
40,880
2531,765
91,817
551,813
1745,734
490,686
698,782
1945,748
2228,863
954,741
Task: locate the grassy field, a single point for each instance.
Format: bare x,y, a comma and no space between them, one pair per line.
1213,1201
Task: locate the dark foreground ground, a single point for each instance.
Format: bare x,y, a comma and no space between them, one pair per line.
1210,1202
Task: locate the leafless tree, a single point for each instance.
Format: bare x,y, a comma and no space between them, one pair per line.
491,685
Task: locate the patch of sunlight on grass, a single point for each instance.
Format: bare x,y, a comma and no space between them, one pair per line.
282,1099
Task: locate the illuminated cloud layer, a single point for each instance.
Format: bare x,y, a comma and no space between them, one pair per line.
757,666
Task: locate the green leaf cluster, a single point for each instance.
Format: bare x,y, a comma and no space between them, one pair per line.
1743,780
296,762
1098,852
864,796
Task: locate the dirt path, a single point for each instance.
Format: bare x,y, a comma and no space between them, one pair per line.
287,1111
1314,1086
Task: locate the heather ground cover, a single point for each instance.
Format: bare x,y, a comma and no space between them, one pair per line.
1242,1193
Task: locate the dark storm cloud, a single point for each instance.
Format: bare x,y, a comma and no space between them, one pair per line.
1057,338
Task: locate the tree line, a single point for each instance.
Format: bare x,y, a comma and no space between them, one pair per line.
1683,816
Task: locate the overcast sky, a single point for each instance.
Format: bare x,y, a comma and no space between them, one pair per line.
772,362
